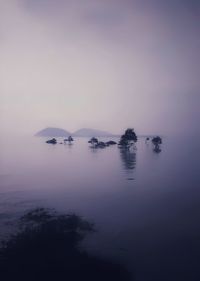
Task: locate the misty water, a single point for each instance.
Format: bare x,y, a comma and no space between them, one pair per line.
145,205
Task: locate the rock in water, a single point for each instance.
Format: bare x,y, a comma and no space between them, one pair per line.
52,141
111,143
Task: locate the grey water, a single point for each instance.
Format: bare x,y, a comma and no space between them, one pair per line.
145,205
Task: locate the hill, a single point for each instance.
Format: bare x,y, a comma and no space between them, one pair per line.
53,132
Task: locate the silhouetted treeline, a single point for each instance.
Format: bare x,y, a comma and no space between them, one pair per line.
46,247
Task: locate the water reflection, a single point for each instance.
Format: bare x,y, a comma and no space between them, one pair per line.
68,145
128,158
157,149
93,149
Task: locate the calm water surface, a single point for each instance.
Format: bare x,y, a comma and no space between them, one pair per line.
145,206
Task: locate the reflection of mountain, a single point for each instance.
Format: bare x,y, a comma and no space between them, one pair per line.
128,158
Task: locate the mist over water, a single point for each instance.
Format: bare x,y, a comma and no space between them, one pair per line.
103,64
106,65
145,205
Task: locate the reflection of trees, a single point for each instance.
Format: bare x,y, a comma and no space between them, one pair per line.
157,149
128,158
68,144
93,149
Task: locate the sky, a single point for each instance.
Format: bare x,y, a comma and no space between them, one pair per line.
103,64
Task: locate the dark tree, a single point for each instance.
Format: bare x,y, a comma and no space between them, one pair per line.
69,139
93,141
128,137
47,247
157,141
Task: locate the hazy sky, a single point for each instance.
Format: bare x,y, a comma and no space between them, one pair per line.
105,64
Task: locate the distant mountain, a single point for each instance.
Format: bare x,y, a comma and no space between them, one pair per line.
53,132
86,132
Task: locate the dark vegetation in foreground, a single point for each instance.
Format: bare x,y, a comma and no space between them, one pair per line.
47,247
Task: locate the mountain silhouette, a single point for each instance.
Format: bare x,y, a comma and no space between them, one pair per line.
84,132
53,132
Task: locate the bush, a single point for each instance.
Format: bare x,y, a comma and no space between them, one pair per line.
47,248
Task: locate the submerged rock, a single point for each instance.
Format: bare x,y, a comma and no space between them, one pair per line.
100,144
52,141
111,143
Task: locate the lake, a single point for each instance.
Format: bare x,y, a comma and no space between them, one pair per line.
145,205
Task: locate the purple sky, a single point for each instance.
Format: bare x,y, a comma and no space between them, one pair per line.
105,64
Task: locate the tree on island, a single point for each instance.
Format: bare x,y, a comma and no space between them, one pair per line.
93,141
128,139
157,141
69,139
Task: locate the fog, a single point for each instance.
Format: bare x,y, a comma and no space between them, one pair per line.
100,64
